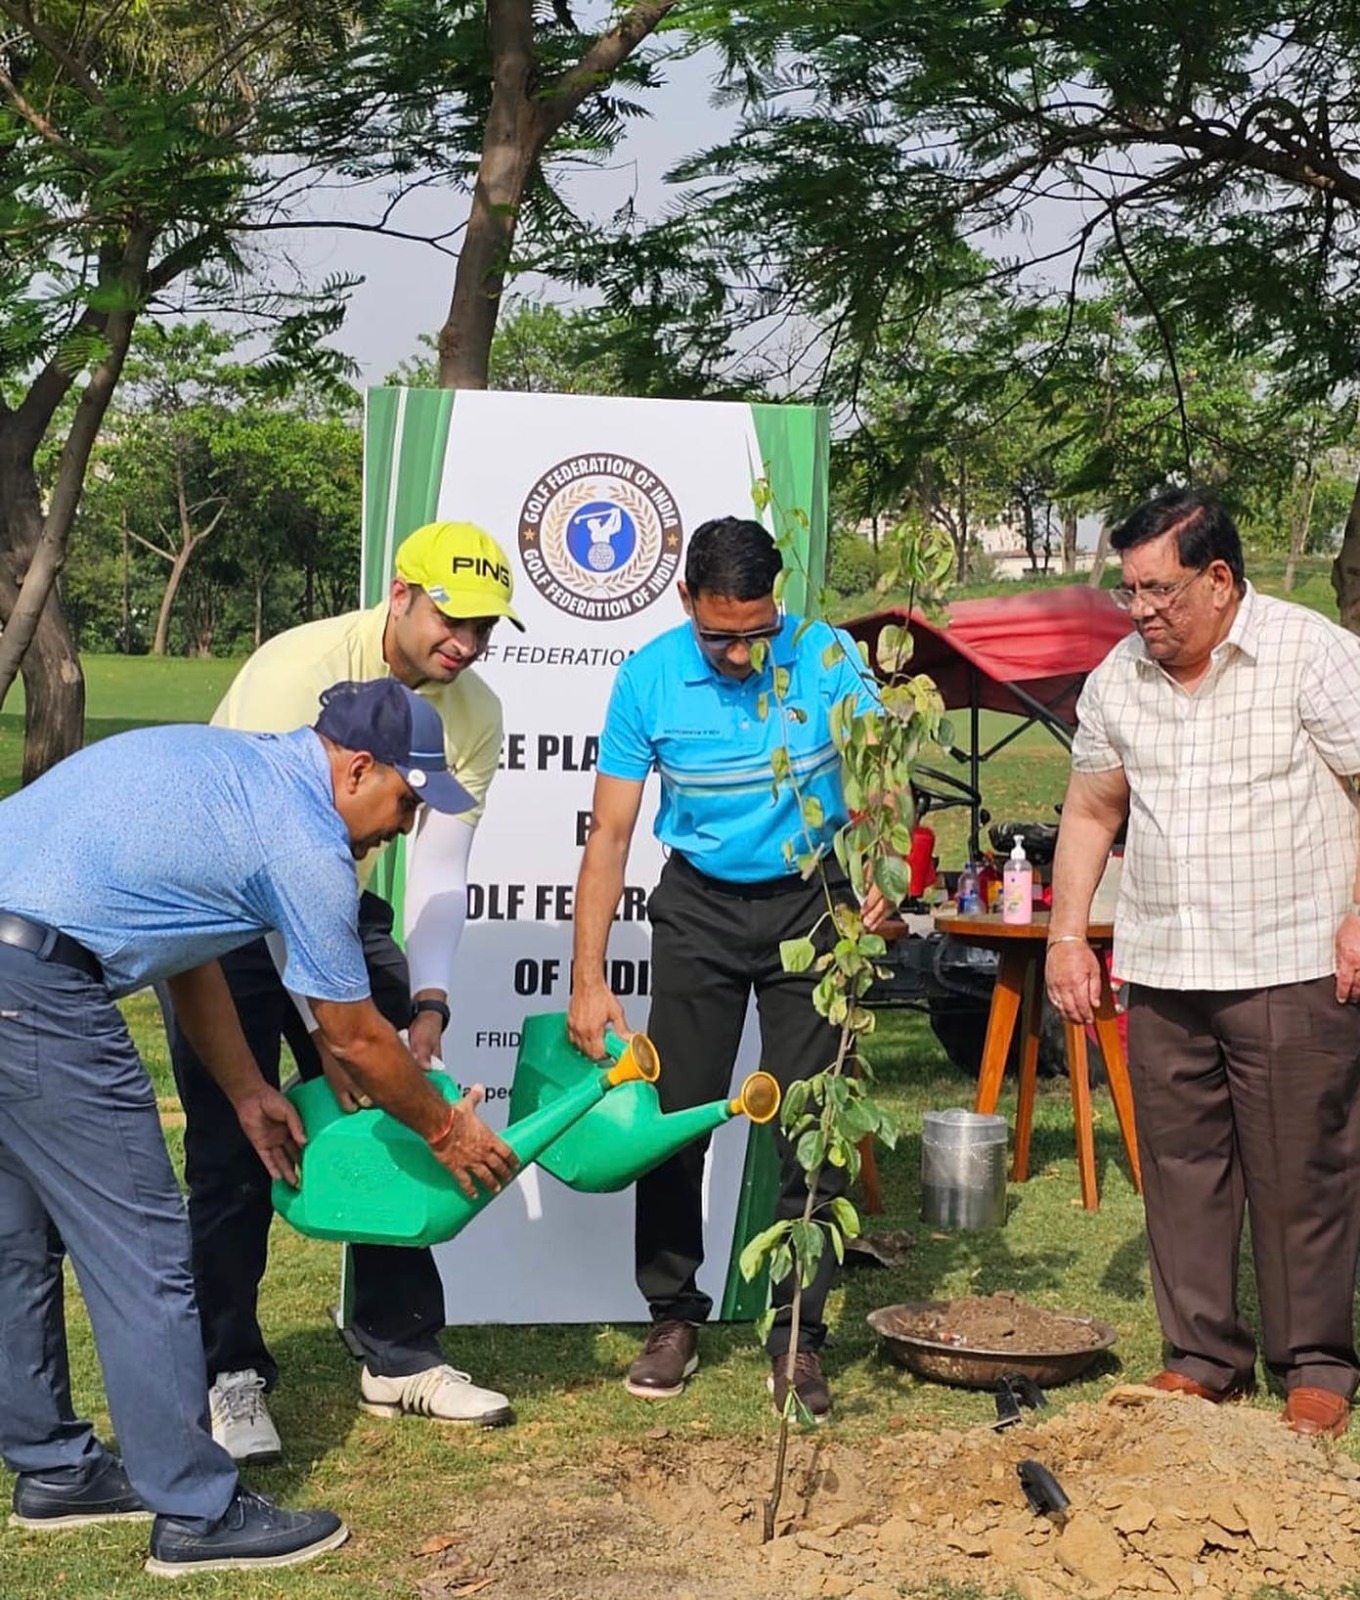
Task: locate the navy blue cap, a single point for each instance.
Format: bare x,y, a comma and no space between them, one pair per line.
399,729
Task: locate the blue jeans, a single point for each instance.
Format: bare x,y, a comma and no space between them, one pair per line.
83,1163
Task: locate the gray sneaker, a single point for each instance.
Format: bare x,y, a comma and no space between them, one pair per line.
253,1532
241,1423
666,1360
75,1497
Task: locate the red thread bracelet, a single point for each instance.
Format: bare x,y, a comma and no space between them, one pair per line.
446,1130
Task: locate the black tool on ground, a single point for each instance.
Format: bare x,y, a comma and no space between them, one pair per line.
1016,1392
1045,1494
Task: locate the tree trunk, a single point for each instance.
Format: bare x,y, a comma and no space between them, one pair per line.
523,117
1346,568
259,609
54,693
510,145
54,690
1028,535
172,583
1069,543
1102,554
34,542
1298,534
965,506
125,606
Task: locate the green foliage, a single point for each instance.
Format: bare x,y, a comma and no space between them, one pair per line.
214,517
539,349
852,564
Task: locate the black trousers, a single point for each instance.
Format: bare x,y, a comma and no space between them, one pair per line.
713,943
398,1296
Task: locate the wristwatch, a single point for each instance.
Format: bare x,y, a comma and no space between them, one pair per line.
417,1006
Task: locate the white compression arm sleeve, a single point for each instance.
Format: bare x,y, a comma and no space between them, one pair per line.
278,952
436,898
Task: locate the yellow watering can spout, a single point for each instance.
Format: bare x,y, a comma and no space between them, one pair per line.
758,1100
635,1059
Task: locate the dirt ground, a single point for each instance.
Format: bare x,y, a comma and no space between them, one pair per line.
1169,1496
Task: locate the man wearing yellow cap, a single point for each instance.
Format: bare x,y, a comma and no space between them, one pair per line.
453,584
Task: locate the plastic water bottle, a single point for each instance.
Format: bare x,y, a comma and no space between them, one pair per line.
968,895
1017,889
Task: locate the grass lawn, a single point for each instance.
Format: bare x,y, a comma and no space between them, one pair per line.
124,692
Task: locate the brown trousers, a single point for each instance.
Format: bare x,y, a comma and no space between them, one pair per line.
1251,1098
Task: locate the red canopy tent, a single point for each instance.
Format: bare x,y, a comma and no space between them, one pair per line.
1027,654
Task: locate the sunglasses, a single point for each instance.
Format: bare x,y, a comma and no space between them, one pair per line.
724,641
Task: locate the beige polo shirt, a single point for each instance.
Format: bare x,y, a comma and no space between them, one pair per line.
279,689
1243,822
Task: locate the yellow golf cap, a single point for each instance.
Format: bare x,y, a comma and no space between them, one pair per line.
462,569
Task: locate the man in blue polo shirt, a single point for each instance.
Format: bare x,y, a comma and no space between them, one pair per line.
688,705
148,856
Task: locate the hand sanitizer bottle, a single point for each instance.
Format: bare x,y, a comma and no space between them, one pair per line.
1017,889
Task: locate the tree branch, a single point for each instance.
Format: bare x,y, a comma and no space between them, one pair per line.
1168,343
41,126
22,17
562,99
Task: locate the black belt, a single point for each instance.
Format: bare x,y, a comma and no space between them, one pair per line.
761,888
48,944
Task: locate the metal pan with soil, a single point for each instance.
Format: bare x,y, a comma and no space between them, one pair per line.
974,1340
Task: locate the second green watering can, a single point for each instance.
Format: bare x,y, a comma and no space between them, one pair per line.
624,1134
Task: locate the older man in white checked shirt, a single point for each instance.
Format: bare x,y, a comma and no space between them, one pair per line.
1227,730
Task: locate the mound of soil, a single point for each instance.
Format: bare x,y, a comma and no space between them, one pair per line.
998,1322
1169,1496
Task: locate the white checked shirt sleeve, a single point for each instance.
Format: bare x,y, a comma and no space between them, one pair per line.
1092,751
1243,824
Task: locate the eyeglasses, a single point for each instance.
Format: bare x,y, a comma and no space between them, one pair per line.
724,641
1156,596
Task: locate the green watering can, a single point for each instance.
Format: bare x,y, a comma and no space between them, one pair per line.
626,1133
369,1179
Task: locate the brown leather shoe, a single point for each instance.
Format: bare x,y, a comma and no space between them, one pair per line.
812,1393
669,1356
1177,1383
1317,1412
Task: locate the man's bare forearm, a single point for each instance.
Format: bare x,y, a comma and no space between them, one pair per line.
598,892
368,1047
1094,810
206,1012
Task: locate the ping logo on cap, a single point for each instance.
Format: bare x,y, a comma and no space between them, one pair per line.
482,567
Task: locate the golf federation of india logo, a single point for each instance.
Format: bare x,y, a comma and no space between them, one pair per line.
600,537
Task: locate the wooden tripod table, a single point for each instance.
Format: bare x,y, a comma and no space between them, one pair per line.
1019,994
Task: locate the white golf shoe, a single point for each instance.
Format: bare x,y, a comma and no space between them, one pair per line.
441,1393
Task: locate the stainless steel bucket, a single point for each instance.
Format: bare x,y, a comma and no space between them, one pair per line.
963,1169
